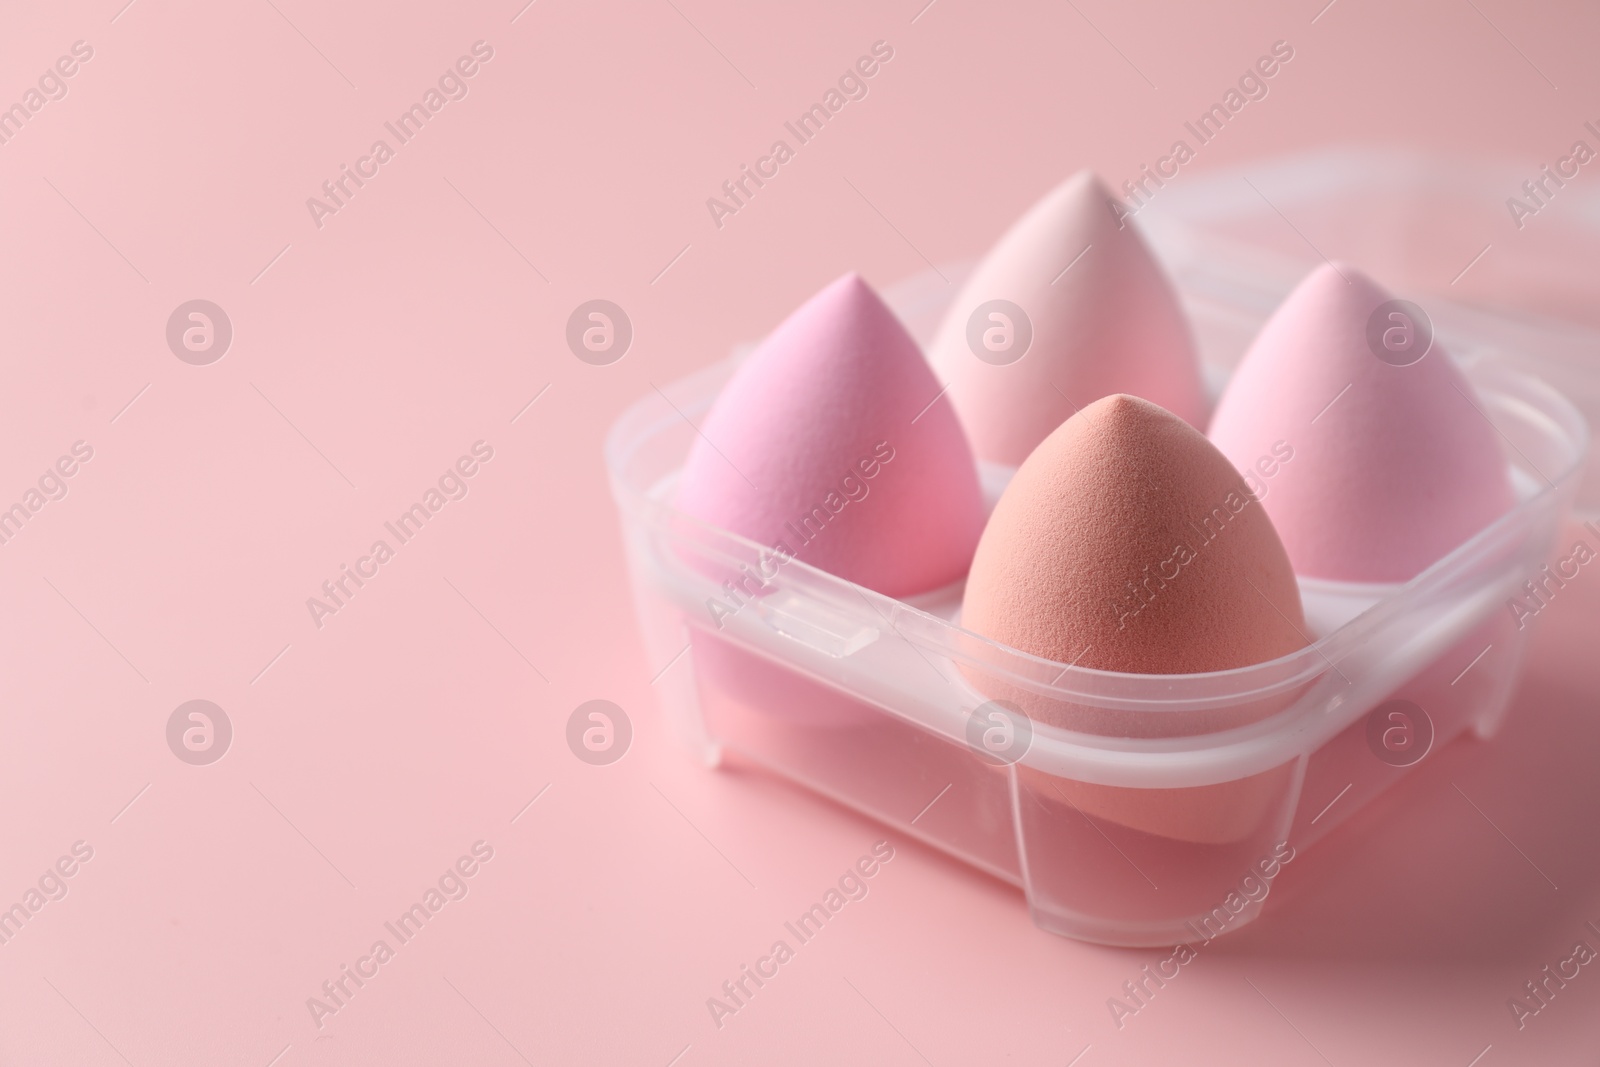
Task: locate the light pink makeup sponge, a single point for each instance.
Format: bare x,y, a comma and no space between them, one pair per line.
1126,542
824,442
1109,324
1392,466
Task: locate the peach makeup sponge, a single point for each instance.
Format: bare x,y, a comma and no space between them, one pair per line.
1393,464
1126,539
1069,304
1126,542
824,443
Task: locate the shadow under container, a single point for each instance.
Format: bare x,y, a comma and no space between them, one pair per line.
1130,809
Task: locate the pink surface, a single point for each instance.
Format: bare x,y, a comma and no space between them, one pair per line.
829,446
370,354
1371,470
1068,307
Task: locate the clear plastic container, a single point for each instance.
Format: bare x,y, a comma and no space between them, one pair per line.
1414,222
1137,809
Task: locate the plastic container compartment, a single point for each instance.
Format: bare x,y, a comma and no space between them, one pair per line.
1138,812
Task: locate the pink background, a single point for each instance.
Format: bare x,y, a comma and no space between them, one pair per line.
374,751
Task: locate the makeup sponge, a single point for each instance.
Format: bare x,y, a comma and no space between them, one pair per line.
1069,304
826,445
1126,542
1392,461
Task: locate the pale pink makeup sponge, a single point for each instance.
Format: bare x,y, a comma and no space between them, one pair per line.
1391,466
1108,322
1126,542
824,442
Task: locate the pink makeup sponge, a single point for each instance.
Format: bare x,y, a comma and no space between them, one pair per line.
1391,466
1126,542
824,443
1108,322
